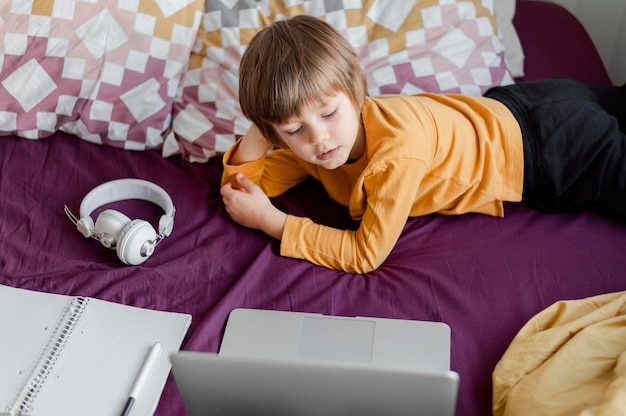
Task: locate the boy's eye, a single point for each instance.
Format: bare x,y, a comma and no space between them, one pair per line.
294,132
331,114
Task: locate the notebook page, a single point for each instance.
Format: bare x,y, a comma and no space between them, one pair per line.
98,367
27,321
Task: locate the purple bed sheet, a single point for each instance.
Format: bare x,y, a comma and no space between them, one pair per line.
483,276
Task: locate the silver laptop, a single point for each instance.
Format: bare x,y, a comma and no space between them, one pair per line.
291,363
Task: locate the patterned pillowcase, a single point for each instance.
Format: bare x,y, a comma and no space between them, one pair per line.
505,11
405,47
106,71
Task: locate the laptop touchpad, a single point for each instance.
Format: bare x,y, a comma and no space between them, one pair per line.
337,339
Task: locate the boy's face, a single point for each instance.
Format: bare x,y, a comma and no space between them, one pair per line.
326,133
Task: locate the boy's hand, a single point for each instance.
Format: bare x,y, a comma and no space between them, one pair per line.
248,205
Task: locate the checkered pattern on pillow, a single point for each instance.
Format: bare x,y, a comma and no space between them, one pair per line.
106,71
405,47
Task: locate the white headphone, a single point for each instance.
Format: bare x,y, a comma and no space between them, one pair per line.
133,240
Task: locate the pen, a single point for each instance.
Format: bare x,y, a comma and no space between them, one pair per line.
141,378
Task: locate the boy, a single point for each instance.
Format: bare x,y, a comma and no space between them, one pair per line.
552,143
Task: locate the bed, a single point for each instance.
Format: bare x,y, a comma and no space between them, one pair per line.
485,277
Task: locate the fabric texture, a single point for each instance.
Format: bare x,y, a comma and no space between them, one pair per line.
405,47
569,359
455,154
105,71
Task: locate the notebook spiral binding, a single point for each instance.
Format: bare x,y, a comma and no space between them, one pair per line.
49,356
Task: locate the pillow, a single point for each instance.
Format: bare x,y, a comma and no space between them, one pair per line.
505,10
106,71
405,47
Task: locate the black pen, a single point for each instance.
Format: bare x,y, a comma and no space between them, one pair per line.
141,378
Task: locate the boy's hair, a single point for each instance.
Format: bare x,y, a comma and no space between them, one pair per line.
291,64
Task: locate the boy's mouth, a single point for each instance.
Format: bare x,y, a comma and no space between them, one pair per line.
328,154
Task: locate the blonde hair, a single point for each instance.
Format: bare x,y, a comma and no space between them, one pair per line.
291,64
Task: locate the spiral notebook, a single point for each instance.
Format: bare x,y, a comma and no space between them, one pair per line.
72,355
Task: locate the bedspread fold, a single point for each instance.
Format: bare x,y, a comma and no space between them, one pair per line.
570,359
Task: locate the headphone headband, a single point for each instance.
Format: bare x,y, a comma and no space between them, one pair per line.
122,189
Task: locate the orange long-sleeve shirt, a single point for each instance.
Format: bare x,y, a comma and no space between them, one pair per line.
447,154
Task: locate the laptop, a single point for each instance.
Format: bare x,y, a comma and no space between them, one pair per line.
292,363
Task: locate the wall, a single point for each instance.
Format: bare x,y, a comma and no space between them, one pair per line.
605,21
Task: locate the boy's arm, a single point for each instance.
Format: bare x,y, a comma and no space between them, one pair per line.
390,196
245,201
253,146
274,172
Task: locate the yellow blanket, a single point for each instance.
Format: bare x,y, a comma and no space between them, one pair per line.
569,359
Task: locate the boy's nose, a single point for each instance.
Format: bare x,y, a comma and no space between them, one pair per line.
318,136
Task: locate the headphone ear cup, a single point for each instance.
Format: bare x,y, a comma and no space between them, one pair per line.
136,242
108,226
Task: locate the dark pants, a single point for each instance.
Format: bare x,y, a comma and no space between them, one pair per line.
574,144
